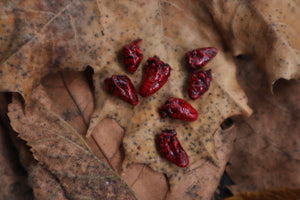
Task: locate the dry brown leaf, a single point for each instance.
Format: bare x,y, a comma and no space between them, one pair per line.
266,153
13,184
280,194
146,183
166,36
86,33
69,35
60,148
75,103
199,182
42,182
108,135
266,30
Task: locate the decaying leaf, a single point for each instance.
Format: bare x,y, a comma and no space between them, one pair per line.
146,183
40,37
266,151
202,179
199,182
165,36
268,31
42,182
74,106
62,150
279,194
13,183
86,33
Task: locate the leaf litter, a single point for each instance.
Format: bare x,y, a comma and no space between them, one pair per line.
73,35
60,147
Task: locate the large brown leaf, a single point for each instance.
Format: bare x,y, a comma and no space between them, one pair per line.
170,32
86,33
268,31
42,37
74,106
266,152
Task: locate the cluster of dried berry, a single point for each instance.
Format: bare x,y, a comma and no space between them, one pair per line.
155,75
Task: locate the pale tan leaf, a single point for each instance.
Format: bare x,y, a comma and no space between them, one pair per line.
71,35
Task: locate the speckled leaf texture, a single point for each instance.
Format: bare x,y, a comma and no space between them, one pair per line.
62,150
42,37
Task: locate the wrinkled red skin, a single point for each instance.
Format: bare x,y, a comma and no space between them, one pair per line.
198,58
171,149
199,83
178,109
122,87
155,76
132,55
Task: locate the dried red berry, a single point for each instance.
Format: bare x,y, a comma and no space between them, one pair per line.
199,83
155,76
178,109
171,149
121,86
198,58
132,55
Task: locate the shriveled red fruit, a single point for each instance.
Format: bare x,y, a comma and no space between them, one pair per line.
178,109
199,83
155,76
132,55
198,58
122,87
171,149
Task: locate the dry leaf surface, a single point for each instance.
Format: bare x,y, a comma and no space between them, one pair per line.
165,35
13,178
43,37
279,194
86,33
266,30
62,149
42,182
266,152
74,106
199,182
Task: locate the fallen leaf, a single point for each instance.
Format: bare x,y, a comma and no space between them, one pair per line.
146,183
266,152
280,194
60,148
108,136
73,38
203,177
74,103
69,35
267,31
13,183
42,182
166,37
200,181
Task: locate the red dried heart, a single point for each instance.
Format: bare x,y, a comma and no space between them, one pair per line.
171,149
132,55
178,109
198,58
199,83
155,76
122,87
